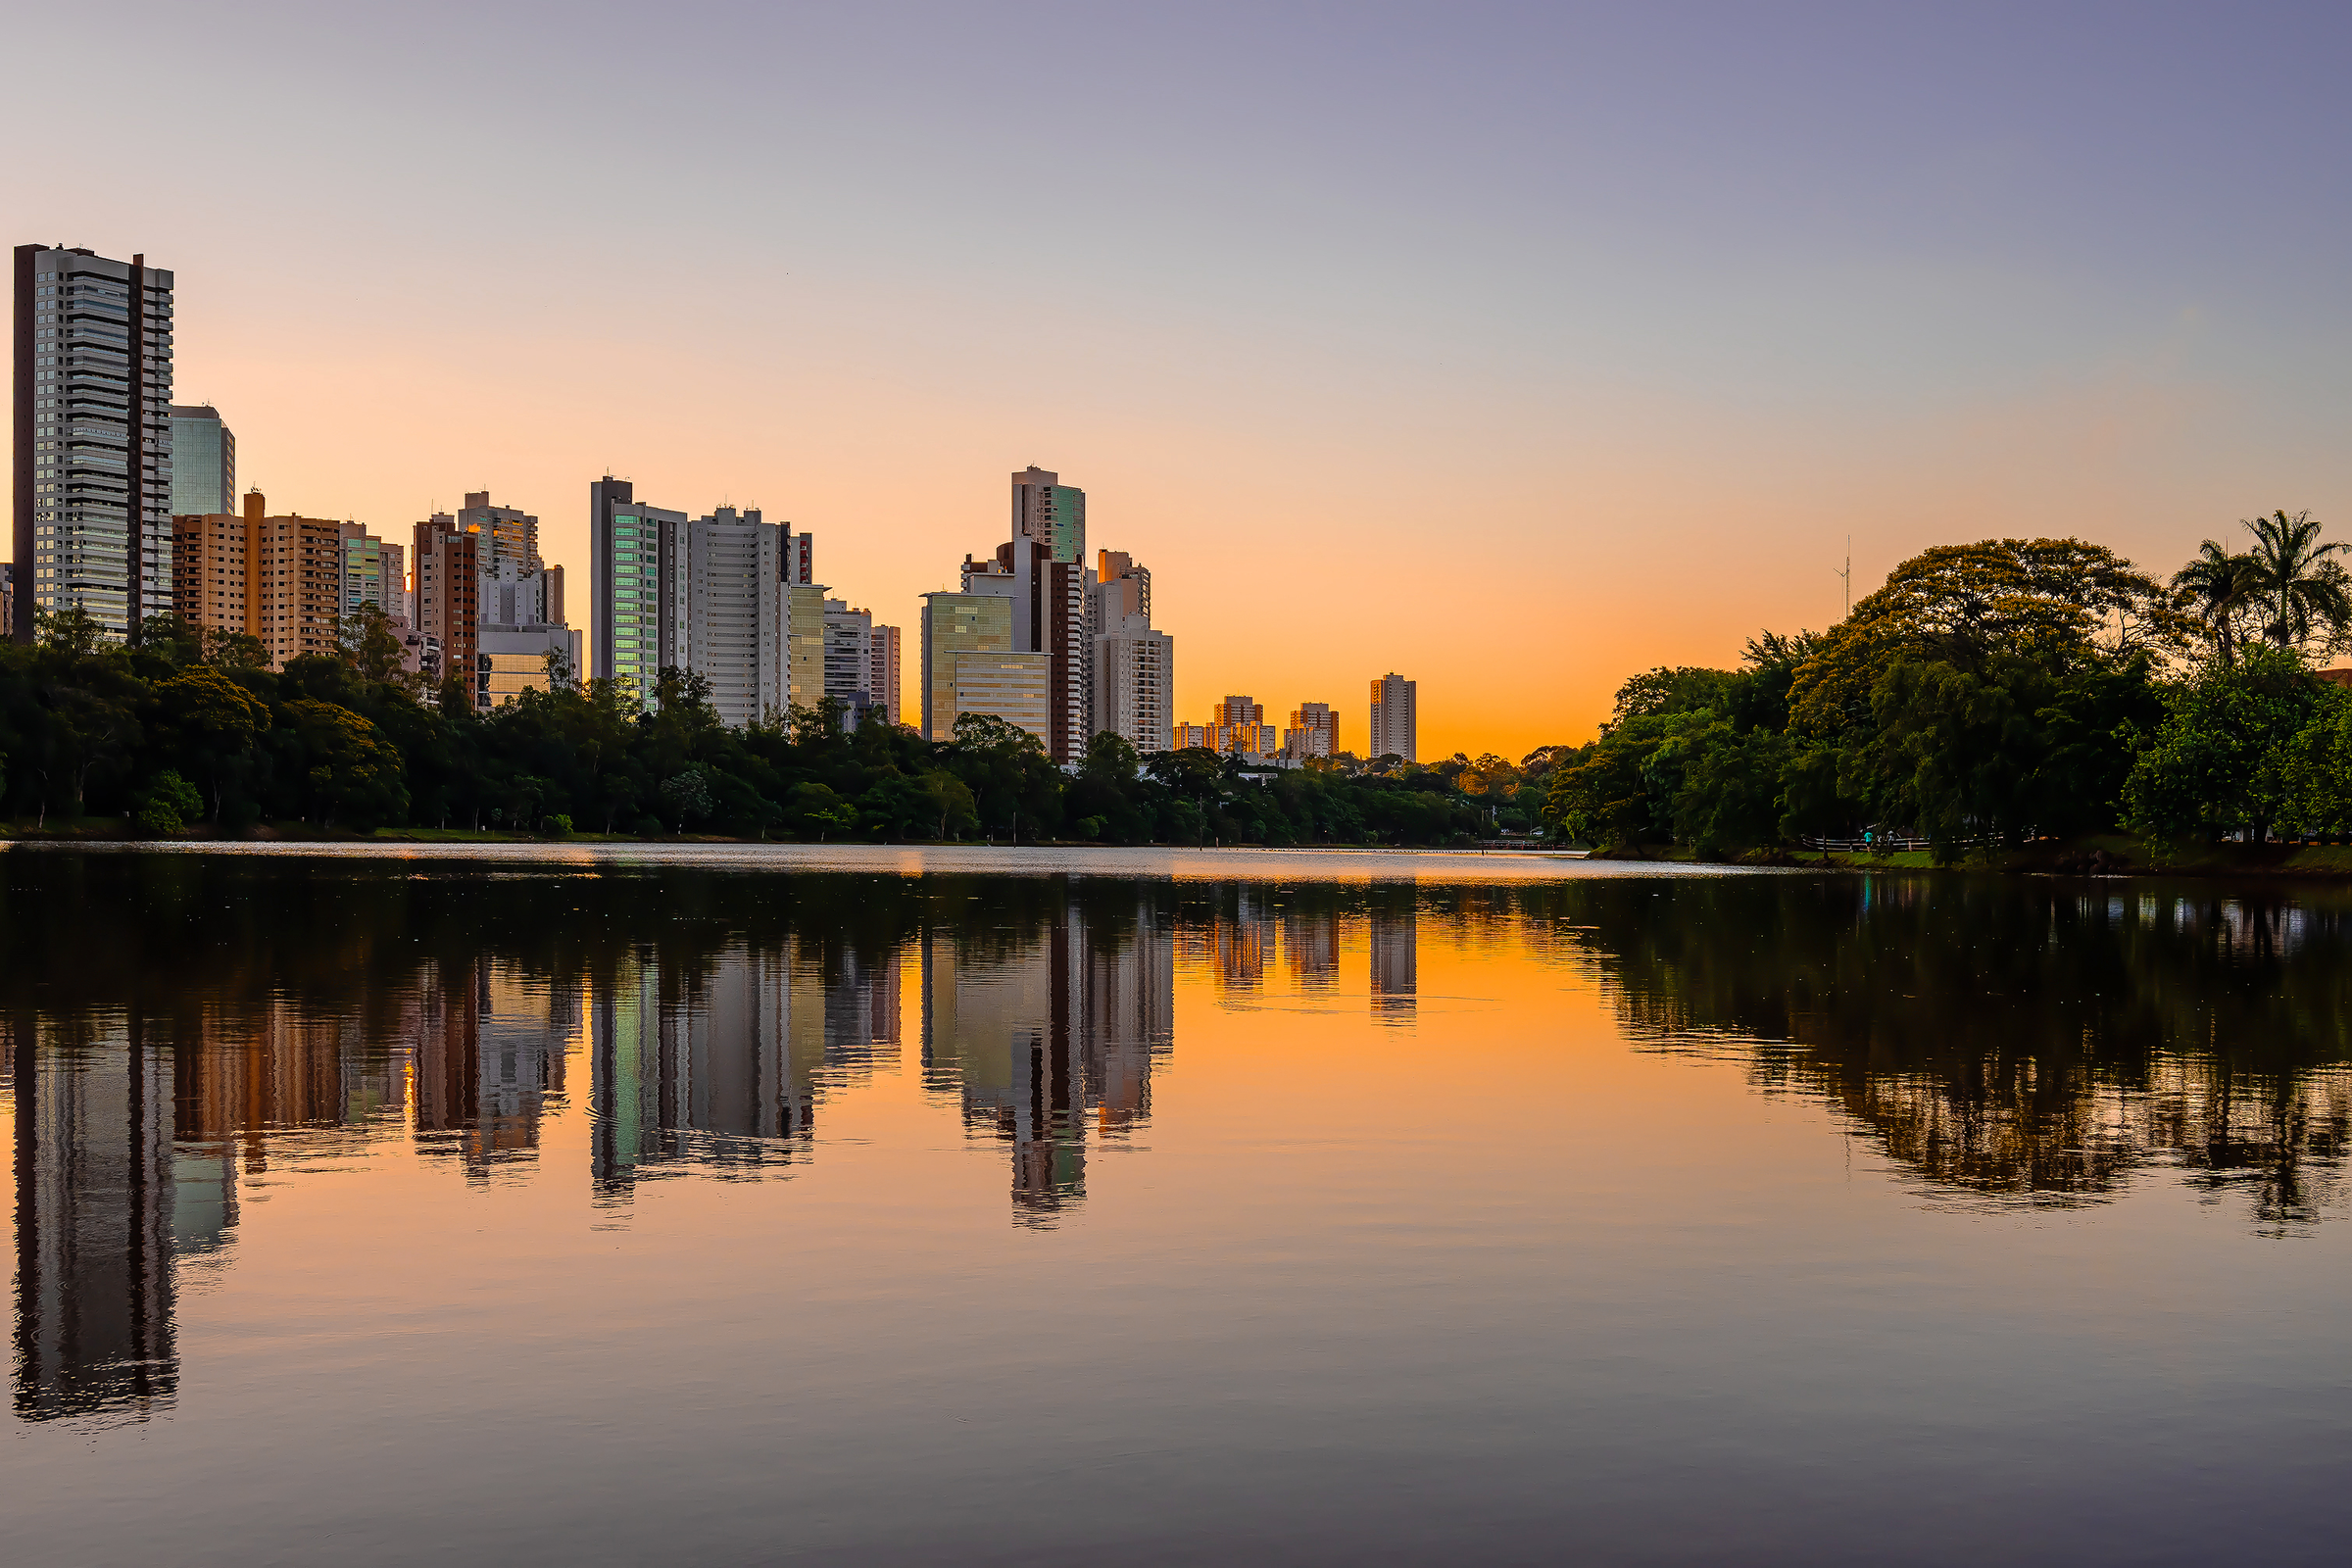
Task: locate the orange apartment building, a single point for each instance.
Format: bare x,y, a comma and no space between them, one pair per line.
279,579
447,562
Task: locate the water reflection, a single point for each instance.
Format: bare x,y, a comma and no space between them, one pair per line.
2035,1043
177,1030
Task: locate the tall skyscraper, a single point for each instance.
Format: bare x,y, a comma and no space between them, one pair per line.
1392,718
1041,573
1134,687
634,545
882,676
1052,513
448,596
93,437
204,461
725,594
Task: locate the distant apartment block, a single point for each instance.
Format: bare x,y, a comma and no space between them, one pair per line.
509,535
374,573
204,461
212,572
521,623
1392,723
1314,731
1041,573
862,665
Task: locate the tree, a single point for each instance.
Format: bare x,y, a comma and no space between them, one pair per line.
2219,589
372,647
814,811
950,801
2056,601
2304,592
2316,769
234,650
352,771
2220,761
171,803
687,795
215,718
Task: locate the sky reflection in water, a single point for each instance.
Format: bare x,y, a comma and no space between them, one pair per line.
611,1207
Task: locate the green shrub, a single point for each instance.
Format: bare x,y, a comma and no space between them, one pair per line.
169,805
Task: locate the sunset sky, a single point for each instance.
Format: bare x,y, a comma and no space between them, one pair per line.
1512,347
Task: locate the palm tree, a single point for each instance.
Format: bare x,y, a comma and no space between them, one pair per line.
2298,586
2216,587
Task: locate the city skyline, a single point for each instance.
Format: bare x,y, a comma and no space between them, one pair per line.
1906,281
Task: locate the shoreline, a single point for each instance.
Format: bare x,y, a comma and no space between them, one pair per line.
2100,855
2103,855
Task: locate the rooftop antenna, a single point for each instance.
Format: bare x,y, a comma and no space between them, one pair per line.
1847,575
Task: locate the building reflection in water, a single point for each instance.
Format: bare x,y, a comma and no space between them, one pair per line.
131,1137
489,1061
2018,1043
1037,1033
1396,963
96,1191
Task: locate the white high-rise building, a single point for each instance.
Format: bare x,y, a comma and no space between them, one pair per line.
882,674
725,596
1134,685
93,407
1392,718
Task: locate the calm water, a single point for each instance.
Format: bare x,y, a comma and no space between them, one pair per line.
879,1208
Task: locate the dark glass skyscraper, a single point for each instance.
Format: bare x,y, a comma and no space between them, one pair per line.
204,463
93,430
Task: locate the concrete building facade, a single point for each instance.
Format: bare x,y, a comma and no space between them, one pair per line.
1314,731
92,496
1394,723
954,624
882,671
727,596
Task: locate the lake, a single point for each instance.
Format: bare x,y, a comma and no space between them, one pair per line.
735,1205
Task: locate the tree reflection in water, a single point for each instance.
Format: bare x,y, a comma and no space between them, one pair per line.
2014,1040
175,1023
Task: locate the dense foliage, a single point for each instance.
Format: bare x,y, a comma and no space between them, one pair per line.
178,728
1996,692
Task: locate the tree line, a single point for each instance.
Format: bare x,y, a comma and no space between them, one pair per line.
1993,693
180,727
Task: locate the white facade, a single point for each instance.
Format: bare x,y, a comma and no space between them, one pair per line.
93,526
1135,685
882,670
728,604
1393,725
